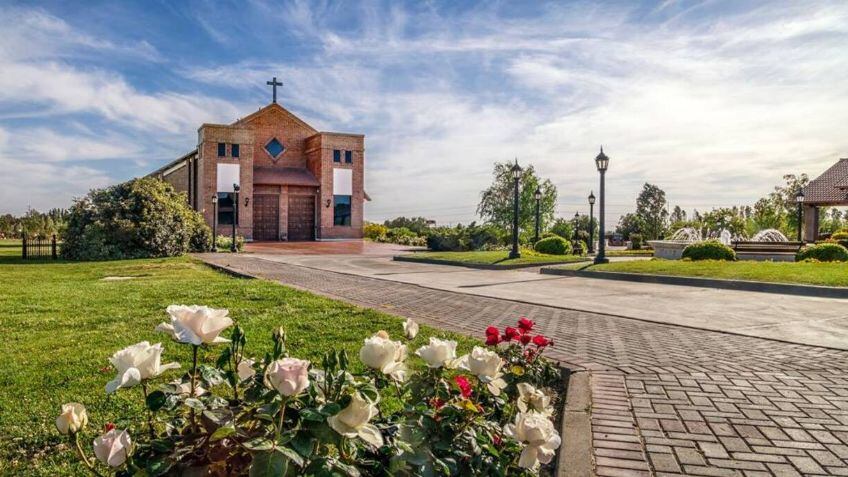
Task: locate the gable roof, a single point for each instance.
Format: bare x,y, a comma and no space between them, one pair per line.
830,187
175,164
274,107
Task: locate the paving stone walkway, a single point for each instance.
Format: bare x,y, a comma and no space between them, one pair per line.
667,400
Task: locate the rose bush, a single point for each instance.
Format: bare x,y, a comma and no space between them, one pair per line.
485,413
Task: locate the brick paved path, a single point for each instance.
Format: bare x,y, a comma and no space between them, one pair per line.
667,400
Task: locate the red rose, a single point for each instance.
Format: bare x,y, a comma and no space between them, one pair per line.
511,333
493,340
541,341
437,403
463,385
496,439
525,324
525,339
108,427
492,331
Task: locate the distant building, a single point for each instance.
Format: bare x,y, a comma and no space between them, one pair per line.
296,183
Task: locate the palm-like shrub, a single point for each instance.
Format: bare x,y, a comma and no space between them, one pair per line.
137,219
553,245
823,252
709,250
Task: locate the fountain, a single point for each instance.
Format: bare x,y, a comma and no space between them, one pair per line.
769,235
672,249
768,244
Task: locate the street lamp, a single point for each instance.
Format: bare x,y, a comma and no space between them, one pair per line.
591,222
233,247
516,175
538,196
799,198
602,163
215,223
576,226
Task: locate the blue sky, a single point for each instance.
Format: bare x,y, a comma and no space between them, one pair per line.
713,100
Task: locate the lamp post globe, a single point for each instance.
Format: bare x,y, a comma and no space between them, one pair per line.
538,196
591,222
236,188
602,163
215,223
516,176
799,198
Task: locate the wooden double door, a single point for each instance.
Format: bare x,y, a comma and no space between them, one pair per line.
266,217
301,217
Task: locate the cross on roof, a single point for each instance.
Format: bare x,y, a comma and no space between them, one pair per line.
274,83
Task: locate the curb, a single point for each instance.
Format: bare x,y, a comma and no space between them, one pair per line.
739,285
480,266
575,456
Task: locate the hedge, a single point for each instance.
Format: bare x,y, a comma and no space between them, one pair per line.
709,250
823,252
553,246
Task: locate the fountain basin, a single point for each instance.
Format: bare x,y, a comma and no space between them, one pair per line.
668,249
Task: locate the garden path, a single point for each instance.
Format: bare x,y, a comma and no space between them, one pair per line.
666,400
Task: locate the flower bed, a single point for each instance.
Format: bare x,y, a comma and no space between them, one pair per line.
485,413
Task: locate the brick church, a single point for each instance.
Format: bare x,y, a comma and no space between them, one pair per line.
295,183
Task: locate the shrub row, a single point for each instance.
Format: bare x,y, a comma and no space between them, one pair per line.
709,250
823,252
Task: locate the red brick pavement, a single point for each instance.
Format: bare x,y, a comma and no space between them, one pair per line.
667,400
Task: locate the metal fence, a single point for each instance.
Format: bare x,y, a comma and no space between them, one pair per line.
39,247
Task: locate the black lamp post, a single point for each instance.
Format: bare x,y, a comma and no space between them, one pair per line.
576,237
602,163
799,198
591,222
538,196
516,175
233,247
215,222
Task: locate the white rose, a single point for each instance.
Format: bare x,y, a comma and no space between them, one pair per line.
410,328
352,421
245,369
438,353
135,364
289,376
486,365
385,355
113,448
196,325
532,399
537,433
72,419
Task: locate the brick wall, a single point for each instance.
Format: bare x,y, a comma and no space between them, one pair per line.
209,135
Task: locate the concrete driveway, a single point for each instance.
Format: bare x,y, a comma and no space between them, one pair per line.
803,320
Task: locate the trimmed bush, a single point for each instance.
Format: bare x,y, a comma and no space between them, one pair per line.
709,250
579,247
823,252
841,238
141,218
553,246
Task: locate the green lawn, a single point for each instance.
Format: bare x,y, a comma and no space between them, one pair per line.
829,274
499,257
61,321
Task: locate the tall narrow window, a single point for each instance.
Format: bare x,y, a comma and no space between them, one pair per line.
337,155
225,208
222,149
341,210
348,157
235,150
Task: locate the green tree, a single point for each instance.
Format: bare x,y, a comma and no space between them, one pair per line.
652,209
416,224
677,215
729,219
630,224
496,202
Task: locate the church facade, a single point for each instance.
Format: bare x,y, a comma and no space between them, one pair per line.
294,183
